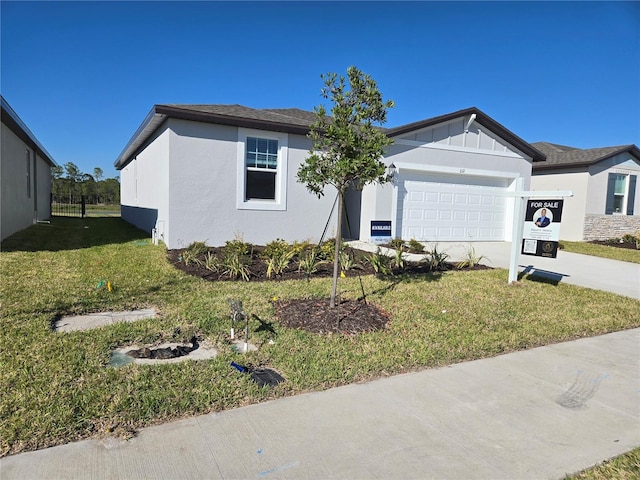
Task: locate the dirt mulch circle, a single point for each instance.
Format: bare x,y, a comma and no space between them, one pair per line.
316,316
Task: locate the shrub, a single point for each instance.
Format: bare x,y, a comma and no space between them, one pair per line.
415,246
309,262
327,249
211,263
380,263
398,259
397,243
197,248
238,245
193,251
436,260
300,247
277,255
347,260
472,259
236,265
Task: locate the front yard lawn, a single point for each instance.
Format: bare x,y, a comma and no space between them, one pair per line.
58,387
601,250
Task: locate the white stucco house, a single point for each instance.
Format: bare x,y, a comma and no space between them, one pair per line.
212,172
604,182
25,175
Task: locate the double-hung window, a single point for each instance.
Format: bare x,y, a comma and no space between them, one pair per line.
621,191
262,168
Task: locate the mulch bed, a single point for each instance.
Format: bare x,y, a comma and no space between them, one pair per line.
313,315
316,316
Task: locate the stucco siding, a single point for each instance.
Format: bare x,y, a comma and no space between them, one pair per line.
574,209
43,188
145,186
203,170
18,208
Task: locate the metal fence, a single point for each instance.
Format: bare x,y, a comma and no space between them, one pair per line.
70,206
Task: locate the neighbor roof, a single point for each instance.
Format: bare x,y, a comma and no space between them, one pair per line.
563,156
11,119
288,120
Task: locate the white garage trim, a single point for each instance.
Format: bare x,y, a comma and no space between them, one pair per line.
446,206
403,167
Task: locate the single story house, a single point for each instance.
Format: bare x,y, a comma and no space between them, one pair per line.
25,175
604,181
212,172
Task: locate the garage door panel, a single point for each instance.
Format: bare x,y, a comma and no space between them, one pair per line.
451,208
446,198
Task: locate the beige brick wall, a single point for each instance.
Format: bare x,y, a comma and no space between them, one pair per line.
602,227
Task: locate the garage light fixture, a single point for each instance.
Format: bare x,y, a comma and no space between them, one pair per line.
391,169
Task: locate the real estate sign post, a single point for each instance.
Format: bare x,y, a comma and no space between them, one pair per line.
517,238
542,228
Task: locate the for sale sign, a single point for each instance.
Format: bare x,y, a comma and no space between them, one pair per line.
542,228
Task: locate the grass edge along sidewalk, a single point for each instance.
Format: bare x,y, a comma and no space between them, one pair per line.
58,268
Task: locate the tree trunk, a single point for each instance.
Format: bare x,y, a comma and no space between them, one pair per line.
336,254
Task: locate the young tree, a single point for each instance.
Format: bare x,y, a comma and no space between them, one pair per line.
347,147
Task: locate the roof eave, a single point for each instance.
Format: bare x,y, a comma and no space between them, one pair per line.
159,113
149,125
13,121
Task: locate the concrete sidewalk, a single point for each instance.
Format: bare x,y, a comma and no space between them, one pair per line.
534,414
622,278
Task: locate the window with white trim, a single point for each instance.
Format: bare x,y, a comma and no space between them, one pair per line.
262,166
621,191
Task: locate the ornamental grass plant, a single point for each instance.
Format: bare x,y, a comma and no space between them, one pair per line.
59,387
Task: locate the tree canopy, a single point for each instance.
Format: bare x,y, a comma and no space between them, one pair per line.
347,145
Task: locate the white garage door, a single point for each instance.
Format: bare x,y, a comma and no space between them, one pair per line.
451,207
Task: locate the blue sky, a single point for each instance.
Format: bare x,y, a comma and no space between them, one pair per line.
83,75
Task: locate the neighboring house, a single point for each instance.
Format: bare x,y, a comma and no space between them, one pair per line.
604,182
212,172
25,175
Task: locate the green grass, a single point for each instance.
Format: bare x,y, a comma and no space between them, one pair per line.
624,467
606,251
58,387
102,210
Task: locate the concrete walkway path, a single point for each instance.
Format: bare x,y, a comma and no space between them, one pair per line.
534,414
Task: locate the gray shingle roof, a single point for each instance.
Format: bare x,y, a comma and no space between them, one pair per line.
291,116
562,156
289,120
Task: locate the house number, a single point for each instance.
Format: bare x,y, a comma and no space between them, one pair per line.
462,170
